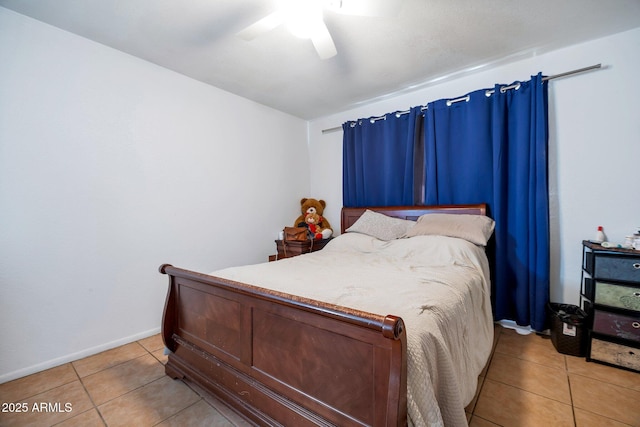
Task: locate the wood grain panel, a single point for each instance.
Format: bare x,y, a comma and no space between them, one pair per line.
213,320
337,369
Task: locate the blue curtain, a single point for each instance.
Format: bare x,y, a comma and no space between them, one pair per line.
493,148
378,160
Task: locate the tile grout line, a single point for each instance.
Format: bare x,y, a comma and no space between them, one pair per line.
573,407
112,366
536,363
206,399
180,411
95,406
531,392
587,410
195,390
578,374
89,396
49,388
486,374
137,388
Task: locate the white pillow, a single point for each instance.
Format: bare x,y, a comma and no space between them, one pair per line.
380,226
477,229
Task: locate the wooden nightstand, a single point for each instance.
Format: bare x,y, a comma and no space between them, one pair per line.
291,249
611,297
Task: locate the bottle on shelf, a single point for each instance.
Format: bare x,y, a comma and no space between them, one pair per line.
600,237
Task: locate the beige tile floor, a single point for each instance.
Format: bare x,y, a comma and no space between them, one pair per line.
526,383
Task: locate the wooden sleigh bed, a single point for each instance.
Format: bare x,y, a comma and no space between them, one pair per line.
284,360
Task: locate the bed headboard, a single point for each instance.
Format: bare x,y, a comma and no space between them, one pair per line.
351,215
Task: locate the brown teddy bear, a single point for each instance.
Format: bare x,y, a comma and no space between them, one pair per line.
312,220
313,206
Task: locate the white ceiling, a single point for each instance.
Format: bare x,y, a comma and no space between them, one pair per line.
425,42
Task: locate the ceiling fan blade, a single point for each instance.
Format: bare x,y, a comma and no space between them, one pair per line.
267,23
366,7
323,43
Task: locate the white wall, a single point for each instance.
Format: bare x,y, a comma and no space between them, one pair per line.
594,146
109,167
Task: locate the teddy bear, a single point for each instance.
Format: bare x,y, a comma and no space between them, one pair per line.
313,206
312,220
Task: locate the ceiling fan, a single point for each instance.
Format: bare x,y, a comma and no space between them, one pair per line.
305,19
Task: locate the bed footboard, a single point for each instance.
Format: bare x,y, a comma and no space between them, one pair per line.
282,360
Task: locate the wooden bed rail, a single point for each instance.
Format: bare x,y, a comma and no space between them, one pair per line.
391,327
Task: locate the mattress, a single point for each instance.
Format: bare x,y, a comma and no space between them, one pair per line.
438,285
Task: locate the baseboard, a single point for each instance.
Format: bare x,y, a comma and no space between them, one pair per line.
522,330
10,376
511,324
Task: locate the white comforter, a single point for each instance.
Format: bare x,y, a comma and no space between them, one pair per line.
438,285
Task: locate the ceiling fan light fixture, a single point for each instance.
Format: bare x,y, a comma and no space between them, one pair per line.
304,18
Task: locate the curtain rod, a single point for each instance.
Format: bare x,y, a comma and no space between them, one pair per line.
555,76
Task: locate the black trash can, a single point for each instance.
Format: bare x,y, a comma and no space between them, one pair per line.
567,328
